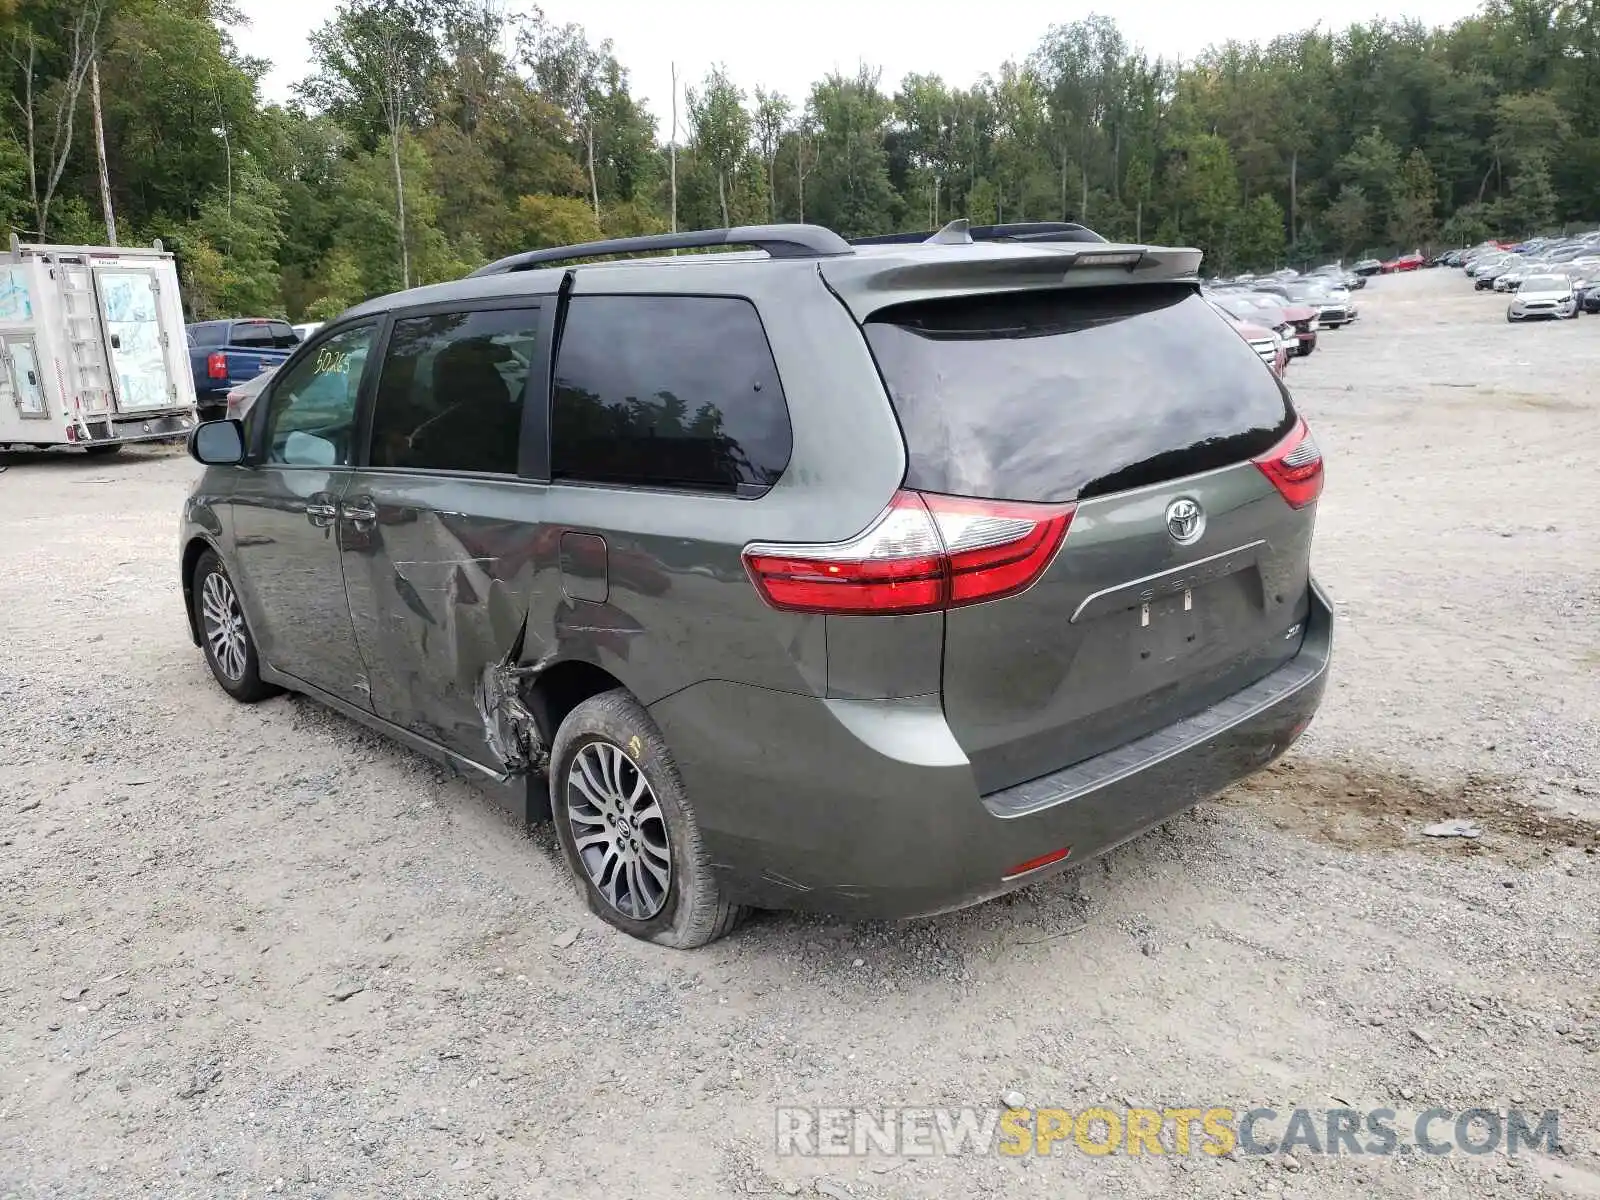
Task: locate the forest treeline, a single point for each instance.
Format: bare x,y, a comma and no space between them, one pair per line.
429,136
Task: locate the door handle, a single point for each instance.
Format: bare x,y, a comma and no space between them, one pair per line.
361,511
321,515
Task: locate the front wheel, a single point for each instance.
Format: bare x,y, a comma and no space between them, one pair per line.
230,650
627,830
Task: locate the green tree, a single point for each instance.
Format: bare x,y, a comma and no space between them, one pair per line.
243,228
1349,218
1257,235
375,61
341,285
851,192
721,129
1412,222
1373,166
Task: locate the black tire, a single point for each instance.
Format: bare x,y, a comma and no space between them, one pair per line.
245,686
102,451
693,911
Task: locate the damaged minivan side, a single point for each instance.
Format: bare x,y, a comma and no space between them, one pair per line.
872,579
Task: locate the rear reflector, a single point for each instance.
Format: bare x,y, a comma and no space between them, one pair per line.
1295,466
924,553
1035,864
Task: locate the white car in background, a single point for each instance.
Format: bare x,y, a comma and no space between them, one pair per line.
306,330
1544,295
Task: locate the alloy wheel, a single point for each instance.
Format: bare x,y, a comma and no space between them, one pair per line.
224,625
619,830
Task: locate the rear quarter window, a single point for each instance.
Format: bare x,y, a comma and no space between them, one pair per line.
677,392
1069,394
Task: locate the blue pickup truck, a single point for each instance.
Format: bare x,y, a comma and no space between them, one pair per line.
224,354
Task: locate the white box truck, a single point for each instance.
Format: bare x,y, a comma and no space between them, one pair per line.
93,351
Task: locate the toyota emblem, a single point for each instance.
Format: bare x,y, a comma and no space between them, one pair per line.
1186,521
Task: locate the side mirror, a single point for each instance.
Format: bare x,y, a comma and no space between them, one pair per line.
217,443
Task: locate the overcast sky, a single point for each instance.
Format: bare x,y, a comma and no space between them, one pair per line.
787,46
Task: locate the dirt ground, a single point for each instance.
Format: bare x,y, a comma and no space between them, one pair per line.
250,951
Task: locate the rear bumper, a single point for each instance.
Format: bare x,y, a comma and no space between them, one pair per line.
868,808
140,427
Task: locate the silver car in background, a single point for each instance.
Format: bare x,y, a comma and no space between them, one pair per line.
1543,296
244,395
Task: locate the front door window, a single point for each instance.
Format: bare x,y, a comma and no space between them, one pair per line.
311,414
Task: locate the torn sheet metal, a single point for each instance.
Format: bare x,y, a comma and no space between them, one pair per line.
512,733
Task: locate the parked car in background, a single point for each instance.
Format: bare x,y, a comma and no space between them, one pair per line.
1062,593
1337,274
1543,296
224,354
1404,262
1484,273
240,398
1268,345
1367,266
1591,299
1332,300
1297,324
306,330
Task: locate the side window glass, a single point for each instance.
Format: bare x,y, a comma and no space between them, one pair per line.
450,396
312,409
668,392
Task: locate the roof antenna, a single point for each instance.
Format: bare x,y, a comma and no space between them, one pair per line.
953,234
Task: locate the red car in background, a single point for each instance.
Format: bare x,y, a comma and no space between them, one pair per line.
1293,321
1406,262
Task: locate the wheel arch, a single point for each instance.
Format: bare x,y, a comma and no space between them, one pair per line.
192,550
561,687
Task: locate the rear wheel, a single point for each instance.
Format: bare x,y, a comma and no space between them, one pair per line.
230,650
627,830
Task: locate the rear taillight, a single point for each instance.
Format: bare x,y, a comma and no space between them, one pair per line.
924,553
1295,466
216,365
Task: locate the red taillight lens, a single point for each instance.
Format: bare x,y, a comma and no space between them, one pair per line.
1295,466
924,553
217,365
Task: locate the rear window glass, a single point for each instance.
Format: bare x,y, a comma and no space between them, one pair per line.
1054,396
254,335
208,335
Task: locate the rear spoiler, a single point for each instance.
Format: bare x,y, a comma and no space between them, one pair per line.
963,232
867,283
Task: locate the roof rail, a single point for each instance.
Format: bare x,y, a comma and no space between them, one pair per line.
780,241
1019,231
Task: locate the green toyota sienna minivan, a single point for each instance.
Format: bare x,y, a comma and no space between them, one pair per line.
876,578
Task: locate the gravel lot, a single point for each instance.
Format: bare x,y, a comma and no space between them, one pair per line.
255,951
